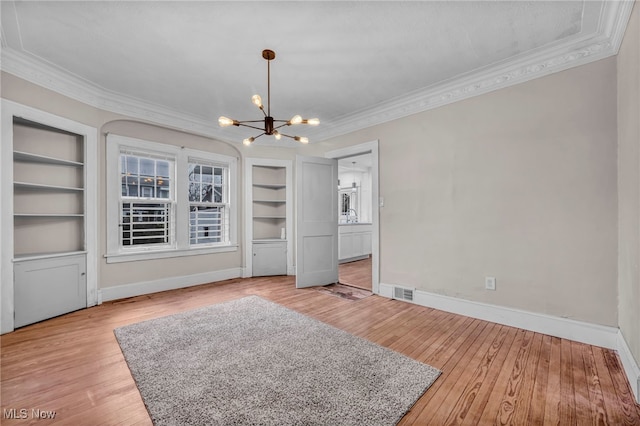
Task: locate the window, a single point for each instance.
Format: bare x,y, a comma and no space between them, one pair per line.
208,203
167,201
146,201
348,204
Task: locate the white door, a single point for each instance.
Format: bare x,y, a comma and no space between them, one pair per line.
316,221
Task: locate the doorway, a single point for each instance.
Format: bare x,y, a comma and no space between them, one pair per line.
358,215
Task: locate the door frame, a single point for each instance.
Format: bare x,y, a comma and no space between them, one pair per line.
366,148
10,110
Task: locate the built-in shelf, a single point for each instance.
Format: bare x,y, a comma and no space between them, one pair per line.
270,185
270,201
45,215
38,158
41,187
269,217
269,240
36,256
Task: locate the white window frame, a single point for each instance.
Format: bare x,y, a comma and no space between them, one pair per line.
226,180
180,243
142,200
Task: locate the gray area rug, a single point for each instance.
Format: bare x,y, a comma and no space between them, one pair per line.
253,362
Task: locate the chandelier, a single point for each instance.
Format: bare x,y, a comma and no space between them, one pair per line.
271,125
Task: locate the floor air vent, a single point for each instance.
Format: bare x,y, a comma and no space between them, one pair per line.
402,293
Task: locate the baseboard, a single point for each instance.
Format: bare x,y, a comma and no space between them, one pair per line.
592,334
246,273
170,283
353,259
631,368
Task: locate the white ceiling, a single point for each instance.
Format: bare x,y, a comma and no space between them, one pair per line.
356,163
351,64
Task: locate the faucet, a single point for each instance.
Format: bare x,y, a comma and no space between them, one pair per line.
355,214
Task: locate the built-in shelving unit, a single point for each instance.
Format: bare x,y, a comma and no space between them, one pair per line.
269,202
48,219
269,219
48,188
49,248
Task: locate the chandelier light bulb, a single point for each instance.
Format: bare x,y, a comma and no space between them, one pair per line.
277,135
257,101
248,141
301,139
296,119
224,121
312,121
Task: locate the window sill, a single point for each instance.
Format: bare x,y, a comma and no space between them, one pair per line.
164,254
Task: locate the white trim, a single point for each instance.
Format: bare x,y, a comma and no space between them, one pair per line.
248,210
169,283
605,42
629,364
591,334
166,254
599,44
353,259
90,134
363,148
180,246
615,19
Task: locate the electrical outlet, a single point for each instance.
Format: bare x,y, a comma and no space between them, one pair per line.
490,283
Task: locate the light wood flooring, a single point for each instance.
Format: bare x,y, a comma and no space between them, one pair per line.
356,274
492,374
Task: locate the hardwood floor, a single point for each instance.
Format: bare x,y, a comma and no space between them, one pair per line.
356,274
491,374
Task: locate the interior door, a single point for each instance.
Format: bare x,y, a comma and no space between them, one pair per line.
316,221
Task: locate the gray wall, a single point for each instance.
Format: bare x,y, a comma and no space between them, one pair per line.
629,184
519,184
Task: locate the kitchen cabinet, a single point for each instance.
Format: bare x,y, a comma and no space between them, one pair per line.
354,241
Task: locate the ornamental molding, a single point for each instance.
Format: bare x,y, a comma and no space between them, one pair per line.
603,43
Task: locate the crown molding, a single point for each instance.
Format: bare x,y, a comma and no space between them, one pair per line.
606,42
498,77
43,74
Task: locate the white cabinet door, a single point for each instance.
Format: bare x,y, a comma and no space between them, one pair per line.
346,246
45,288
355,241
366,243
269,259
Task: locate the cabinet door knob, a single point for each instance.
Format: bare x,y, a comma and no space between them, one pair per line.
254,254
